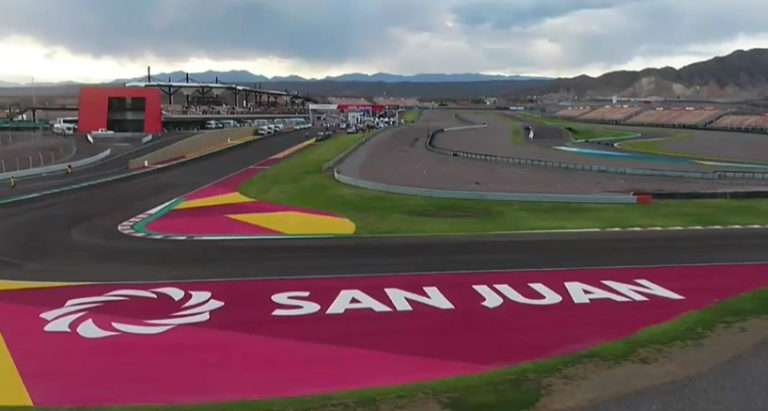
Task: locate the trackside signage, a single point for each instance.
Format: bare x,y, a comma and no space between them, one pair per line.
298,303
221,341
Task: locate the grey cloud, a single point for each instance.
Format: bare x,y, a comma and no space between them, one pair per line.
502,15
392,35
329,31
658,29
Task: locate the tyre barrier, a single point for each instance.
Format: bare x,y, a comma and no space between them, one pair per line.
693,195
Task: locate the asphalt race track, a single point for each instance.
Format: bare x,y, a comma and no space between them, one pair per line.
72,236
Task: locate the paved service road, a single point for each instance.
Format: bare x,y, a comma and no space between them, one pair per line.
737,384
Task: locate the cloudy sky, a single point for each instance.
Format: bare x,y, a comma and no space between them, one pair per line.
90,40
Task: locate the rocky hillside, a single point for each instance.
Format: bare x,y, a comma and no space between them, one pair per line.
739,75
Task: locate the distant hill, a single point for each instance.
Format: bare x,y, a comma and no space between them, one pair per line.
243,76
739,75
428,78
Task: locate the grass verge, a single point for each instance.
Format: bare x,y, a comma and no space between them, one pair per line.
515,388
581,131
412,116
656,145
298,181
517,133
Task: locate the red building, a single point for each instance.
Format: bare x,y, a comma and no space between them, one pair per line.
122,109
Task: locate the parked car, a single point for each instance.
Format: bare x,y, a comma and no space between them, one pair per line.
213,124
229,123
323,135
351,130
264,131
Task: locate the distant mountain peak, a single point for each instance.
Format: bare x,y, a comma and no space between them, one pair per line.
740,75
244,76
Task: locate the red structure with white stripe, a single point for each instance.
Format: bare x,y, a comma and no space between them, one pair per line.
94,107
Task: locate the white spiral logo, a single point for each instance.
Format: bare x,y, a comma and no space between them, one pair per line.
195,309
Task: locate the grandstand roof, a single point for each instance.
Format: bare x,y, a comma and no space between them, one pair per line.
174,84
348,100
396,101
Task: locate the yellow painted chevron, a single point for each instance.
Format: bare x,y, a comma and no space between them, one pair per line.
23,285
13,393
231,198
296,223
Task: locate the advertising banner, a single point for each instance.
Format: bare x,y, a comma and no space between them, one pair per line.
218,341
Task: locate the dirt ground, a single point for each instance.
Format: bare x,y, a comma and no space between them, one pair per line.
591,384
399,157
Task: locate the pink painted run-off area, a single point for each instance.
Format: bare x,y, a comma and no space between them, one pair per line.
216,219
213,220
246,352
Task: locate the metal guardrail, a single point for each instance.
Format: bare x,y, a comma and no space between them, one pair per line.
479,195
649,172
473,127
56,167
463,119
466,195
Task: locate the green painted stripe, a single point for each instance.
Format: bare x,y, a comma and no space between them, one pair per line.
141,226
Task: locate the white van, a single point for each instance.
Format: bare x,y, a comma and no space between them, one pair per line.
63,129
212,124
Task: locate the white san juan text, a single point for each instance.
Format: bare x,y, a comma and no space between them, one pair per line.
298,303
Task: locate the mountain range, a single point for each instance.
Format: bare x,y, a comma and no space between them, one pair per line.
741,75
244,77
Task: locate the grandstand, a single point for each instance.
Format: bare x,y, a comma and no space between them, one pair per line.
352,101
745,122
677,117
397,101
573,112
612,114
197,110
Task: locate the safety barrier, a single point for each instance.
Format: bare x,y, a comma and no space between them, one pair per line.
473,127
648,172
479,195
463,119
56,167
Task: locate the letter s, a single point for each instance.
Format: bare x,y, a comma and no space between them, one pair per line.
290,298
